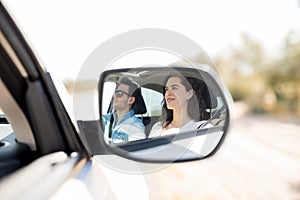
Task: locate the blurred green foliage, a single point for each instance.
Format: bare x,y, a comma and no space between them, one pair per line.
267,83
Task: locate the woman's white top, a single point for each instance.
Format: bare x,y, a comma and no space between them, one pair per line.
194,144
157,129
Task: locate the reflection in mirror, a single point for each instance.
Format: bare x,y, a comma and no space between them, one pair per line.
162,113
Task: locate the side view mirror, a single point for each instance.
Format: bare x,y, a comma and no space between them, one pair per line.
146,132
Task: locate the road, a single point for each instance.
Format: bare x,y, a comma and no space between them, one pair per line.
260,159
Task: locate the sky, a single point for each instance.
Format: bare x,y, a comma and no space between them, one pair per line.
64,33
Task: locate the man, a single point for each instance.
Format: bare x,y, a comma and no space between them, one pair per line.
122,125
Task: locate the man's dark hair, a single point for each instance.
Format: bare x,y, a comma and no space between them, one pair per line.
133,86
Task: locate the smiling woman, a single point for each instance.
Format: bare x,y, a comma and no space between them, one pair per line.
186,105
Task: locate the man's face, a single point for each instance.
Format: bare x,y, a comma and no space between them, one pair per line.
122,98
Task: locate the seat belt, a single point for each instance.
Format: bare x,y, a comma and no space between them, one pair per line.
110,125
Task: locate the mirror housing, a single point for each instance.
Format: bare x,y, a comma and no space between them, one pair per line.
177,146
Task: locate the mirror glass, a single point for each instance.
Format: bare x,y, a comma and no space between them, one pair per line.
162,113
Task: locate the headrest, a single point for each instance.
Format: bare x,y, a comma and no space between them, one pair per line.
139,106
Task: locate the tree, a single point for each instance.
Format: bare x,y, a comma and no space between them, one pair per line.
283,75
242,68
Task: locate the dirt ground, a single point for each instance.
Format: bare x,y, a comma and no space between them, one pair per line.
260,159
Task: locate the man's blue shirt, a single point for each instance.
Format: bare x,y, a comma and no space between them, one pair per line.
128,128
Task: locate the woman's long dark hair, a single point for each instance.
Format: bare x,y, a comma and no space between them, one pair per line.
197,104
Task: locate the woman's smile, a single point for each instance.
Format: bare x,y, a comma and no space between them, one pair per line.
170,99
